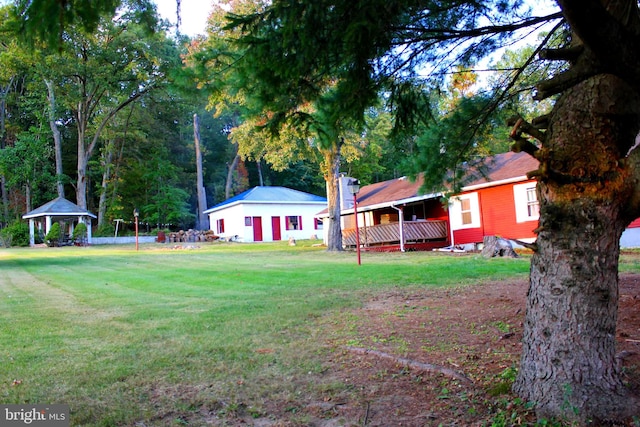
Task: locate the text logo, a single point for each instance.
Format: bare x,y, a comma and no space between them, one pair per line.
34,415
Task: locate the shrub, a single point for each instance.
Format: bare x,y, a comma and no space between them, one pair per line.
53,236
105,230
16,234
80,233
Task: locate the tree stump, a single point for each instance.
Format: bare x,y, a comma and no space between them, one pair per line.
496,246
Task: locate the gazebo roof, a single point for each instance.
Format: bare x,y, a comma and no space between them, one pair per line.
59,207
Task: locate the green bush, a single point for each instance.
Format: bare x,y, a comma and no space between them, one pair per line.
16,234
80,231
53,236
105,230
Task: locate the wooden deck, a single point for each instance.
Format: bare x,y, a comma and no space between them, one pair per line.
419,235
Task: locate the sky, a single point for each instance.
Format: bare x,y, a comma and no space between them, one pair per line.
193,13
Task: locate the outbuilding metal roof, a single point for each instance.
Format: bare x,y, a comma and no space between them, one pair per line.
59,207
271,195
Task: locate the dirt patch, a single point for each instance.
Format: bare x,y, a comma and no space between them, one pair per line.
473,331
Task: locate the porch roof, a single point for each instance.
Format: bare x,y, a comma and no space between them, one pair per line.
394,192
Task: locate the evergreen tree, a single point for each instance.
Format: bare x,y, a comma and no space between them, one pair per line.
343,54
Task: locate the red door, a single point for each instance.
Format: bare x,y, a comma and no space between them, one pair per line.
257,229
275,227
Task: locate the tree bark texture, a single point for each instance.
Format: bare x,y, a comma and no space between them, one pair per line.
232,168
57,138
107,161
586,188
203,223
3,182
332,175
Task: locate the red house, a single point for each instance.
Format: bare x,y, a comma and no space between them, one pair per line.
395,215
501,203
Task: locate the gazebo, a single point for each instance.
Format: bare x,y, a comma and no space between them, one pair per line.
59,209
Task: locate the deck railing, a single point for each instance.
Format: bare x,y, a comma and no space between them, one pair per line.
389,234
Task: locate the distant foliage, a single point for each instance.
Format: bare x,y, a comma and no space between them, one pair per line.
16,234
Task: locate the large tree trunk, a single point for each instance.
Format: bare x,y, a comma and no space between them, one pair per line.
83,161
57,138
229,184
586,189
332,175
3,182
203,223
107,161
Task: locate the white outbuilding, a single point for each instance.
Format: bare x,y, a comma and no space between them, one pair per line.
267,214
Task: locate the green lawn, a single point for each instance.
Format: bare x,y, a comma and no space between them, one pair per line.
128,337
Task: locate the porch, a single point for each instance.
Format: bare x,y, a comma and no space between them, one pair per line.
418,235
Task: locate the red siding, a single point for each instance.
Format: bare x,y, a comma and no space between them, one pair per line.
497,217
435,210
468,235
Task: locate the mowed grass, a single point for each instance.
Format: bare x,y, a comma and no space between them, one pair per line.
145,337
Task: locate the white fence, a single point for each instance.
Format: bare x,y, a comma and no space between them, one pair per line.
122,240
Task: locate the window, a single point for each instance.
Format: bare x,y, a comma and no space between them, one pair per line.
526,202
247,221
317,224
220,226
533,207
294,223
465,210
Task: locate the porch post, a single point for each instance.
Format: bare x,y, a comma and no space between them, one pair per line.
401,225
400,211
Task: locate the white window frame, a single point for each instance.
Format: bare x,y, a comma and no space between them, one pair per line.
455,211
521,193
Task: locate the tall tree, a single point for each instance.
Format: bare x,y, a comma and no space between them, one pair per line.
57,137
98,74
202,222
588,176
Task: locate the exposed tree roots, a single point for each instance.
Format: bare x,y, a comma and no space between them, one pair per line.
412,364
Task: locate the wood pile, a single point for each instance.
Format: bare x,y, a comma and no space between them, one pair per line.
191,236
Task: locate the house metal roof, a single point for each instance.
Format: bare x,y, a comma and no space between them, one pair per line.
59,207
270,195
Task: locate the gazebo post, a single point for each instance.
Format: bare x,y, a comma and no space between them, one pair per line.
32,239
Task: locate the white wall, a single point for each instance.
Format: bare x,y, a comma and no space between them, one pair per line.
630,238
234,220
